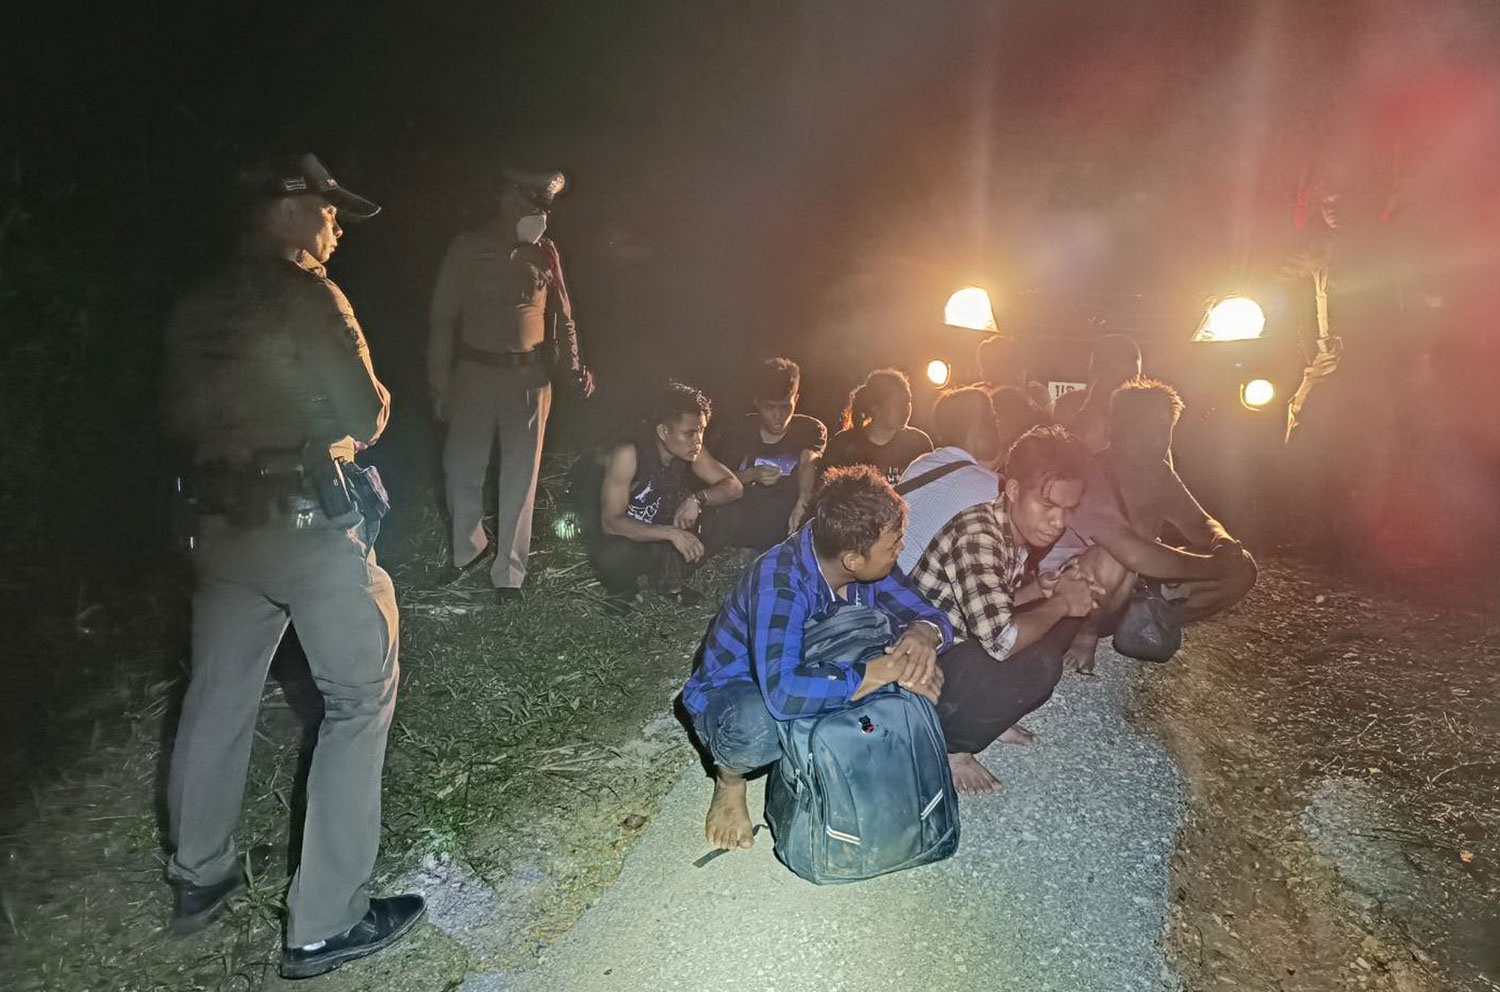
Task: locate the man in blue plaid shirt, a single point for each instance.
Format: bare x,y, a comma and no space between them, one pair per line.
751,672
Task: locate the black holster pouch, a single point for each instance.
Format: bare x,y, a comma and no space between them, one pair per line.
324,477
365,485
342,487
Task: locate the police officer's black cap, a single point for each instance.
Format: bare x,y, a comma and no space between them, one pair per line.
304,175
539,188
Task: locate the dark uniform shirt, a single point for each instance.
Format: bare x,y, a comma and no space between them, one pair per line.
492,297
267,356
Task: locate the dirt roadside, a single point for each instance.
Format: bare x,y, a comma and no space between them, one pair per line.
529,747
1343,829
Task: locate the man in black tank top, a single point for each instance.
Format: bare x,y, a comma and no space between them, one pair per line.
655,491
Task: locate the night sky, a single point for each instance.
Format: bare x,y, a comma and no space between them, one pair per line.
748,178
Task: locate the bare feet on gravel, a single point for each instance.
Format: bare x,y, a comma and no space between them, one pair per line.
970,777
1018,735
728,825
1080,654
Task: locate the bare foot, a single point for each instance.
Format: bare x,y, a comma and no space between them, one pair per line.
970,777
1018,734
1080,654
728,824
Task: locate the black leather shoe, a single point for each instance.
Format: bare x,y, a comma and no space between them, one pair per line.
387,922
195,906
454,574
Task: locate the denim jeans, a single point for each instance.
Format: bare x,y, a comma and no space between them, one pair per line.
737,729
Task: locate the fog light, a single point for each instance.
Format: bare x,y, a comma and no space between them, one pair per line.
1256,393
970,308
939,372
1234,318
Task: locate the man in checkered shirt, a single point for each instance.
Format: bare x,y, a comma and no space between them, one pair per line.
1014,630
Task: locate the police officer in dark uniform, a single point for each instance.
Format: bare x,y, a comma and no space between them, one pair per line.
502,331
270,391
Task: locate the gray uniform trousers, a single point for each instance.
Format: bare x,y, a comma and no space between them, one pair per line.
485,404
250,584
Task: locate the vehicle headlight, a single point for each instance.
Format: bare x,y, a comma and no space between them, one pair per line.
1257,394
970,308
1234,318
939,372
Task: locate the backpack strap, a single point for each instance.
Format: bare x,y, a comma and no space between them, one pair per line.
913,484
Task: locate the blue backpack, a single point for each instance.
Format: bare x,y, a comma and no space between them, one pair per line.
864,790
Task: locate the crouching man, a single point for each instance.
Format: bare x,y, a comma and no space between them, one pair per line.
656,488
1132,491
751,672
1013,630
774,452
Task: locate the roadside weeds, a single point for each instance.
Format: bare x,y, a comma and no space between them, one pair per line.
529,746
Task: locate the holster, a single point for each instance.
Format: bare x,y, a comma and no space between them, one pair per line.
324,477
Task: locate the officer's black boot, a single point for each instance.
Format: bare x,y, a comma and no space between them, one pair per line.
387,922
195,906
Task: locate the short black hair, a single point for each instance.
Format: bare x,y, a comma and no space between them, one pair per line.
1140,397
775,378
1015,413
1044,455
852,508
1114,352
1000,359
879,386
678,399
957,411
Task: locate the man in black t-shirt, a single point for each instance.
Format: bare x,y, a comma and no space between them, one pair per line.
774,452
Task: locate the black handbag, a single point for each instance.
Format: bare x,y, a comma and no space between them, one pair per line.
1148,629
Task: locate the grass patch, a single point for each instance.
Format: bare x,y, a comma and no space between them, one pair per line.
515,756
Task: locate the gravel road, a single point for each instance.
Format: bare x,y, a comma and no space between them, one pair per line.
1059,884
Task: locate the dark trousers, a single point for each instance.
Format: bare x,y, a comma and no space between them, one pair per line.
764,513
621,562
982,697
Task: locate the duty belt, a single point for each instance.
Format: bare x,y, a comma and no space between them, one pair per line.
498,359
247,497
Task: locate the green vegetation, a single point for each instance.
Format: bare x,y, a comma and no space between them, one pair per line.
517,766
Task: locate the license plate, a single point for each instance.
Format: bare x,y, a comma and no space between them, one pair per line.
1056,389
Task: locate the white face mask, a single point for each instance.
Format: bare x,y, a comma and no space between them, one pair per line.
531,228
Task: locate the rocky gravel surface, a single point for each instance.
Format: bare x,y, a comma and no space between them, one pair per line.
1060,883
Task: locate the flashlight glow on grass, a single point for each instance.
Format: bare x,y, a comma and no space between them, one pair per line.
939,372
970,308
1257,393
567,527
1234,318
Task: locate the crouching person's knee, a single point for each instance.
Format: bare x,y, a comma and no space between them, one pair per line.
737,730
1242,579
1099,565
